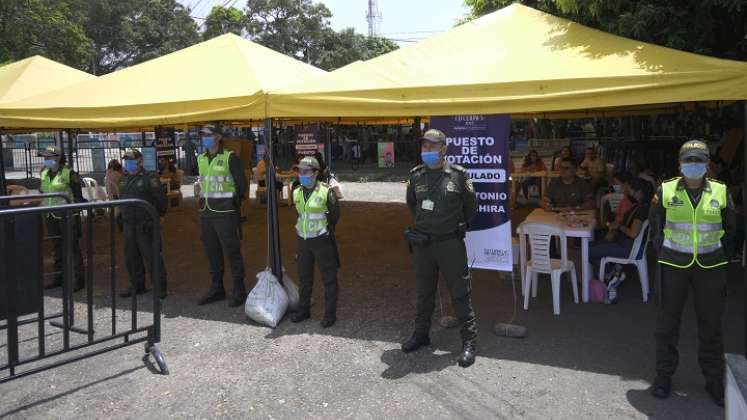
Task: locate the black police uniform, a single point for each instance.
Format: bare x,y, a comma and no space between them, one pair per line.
442,201
323,251
138,227
220,235
709,293
56,226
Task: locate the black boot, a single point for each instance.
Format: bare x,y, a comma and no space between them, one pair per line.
415,342
467,358
715,389
301,315
213,295
237,299
328,321
128,292
662,386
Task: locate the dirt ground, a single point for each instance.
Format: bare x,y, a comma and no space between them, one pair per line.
593,361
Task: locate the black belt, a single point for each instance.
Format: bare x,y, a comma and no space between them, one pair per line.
445,237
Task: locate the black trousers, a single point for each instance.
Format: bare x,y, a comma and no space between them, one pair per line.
55,228
709,295
220,237
319,251
138,238
450,258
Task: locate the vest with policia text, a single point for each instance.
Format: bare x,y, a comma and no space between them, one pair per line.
312,213
693,235
217,187
59,184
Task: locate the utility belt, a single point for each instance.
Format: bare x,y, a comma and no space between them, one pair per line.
417,238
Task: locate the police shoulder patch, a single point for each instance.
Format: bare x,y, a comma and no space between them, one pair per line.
458,168
417,169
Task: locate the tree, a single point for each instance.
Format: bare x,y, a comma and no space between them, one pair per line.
711,27
45,27
223,20
344,47
124,33
298,28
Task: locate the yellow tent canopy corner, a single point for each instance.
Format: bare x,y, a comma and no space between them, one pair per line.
225,78
516,60
36,75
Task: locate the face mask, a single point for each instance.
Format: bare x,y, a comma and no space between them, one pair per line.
617,188
306,180
50,163
130,165
208,142
694,170
431,159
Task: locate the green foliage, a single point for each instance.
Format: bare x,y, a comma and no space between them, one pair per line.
711,27
223,20
344,47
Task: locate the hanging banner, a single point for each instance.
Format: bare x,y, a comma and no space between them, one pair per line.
479,143
166,142
307,137
386,155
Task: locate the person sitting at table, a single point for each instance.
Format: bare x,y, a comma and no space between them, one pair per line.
565,153
593,167
532,163
166,169
620,184
114,173
261,174
569,191
620,236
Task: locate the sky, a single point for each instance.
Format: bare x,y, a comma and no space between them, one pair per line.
402,20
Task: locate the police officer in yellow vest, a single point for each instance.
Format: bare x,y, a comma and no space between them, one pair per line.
222,187
137,225
692,227
318,213
57,177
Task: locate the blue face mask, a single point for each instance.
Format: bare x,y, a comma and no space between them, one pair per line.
431,159
50,163
306,180
208,142
617,188
694,170
130,165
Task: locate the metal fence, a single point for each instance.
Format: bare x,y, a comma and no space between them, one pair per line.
22,281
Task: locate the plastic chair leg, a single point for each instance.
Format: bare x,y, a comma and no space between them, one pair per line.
527,285
642,266
602,264
574,283
556,292
534,284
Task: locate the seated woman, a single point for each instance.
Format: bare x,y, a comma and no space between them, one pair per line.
620,236
564,153
114,173
166,169
620,183
532,163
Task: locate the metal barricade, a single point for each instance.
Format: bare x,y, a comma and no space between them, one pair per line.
134,334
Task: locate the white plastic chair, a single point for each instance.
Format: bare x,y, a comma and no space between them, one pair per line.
540,235
613,199
641,264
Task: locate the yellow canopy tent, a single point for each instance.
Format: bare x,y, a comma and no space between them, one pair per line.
516,60
36,75
225,78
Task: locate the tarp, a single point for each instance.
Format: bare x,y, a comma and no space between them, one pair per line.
36,75
225,78
516,60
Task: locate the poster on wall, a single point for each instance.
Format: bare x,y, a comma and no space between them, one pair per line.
307,137
166,142
386,155
479,143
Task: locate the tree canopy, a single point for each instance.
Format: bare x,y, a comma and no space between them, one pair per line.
711,27
101,36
